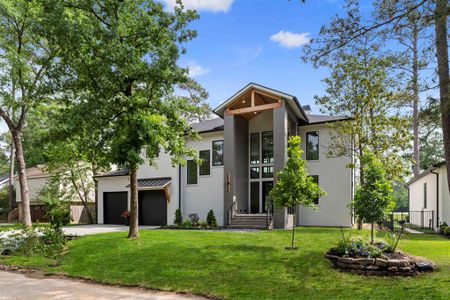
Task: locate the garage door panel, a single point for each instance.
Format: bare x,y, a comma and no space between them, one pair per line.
152,208
114,204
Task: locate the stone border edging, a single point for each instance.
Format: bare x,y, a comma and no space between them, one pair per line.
382,266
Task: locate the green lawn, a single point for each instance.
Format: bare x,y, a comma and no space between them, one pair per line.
252,265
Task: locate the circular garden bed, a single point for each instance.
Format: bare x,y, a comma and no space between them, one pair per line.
390,264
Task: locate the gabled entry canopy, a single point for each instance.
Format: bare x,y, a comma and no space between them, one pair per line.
254,99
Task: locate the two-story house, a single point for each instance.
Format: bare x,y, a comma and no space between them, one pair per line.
242,150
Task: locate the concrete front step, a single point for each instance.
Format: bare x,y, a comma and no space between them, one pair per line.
249,221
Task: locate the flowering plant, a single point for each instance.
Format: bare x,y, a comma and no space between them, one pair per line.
125,214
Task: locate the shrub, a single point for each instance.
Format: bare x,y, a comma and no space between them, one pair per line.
178,217
447,231
58,212
357,247
204,224
186,224
194,219
442,227
52,242
211,219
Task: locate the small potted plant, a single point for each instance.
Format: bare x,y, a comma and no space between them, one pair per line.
126,216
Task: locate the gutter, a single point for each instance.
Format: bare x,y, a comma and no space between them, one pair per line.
437,197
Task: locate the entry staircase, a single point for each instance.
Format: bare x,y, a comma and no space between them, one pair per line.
248,221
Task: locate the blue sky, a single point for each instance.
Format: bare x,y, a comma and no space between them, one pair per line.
242,41
257,41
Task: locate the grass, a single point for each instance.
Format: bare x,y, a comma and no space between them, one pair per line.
251,265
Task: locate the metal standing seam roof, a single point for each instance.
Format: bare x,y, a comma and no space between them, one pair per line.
153,183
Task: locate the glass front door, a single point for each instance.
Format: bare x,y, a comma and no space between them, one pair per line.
260,170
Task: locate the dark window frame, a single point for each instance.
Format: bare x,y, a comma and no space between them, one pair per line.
257,170
267,176
206,162
191,164
258,146
263,150
213,158
307,152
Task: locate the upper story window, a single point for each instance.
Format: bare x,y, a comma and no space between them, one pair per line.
191,168
205,156
267,147
312,145
217,154
425,195
254,148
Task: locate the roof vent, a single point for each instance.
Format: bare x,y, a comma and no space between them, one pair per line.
307,109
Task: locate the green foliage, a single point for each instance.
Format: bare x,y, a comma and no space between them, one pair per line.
178,217
360,86
294,186
400,194
58,211
52,242
211,219
374,199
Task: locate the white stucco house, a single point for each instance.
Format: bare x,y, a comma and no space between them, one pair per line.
429,199
242,149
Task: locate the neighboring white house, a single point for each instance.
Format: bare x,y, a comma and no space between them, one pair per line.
242,150
4,180
429,199
38,177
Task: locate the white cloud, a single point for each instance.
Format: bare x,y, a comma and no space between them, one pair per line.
196,70
289,39
205,5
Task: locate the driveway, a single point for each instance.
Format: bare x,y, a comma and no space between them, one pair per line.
36,286
81,230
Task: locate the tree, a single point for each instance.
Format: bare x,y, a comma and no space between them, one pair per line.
374,199
343,31
123,56
360,86
294,186
411,59
25,59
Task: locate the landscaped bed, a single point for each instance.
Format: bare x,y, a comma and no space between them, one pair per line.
244,265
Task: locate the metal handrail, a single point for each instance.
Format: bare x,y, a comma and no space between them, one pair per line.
231,212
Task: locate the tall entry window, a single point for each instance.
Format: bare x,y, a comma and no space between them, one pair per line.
254,148
267,147
261,170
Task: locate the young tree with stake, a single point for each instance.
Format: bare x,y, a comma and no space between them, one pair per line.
294,186
374,199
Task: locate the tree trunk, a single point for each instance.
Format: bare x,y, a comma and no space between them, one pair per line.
371,233
11,179
84,199
416,100
443,74
134,225
293,230
21,170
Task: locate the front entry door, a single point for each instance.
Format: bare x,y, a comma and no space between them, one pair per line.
266,188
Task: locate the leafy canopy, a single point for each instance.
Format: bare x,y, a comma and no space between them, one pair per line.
294,186
374,199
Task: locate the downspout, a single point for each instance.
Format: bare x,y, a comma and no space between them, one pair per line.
437,197
179,186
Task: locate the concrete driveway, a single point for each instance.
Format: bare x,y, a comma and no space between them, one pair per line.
82,230
36,286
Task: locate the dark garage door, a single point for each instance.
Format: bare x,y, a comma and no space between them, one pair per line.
115,203
152,208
